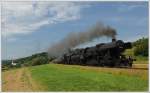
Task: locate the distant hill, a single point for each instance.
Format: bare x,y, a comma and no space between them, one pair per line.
35,59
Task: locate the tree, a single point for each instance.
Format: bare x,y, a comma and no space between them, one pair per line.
141,47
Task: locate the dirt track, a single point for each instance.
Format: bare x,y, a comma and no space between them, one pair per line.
18,80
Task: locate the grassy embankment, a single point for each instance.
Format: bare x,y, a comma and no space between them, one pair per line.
78,78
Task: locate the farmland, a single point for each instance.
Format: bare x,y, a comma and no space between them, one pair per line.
57,77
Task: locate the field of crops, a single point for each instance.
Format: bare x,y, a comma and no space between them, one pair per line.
54,77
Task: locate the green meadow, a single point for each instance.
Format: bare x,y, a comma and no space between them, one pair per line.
78,78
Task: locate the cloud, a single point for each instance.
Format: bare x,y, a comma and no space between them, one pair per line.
12,39
27,17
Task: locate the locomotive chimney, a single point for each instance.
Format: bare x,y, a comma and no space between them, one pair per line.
113,39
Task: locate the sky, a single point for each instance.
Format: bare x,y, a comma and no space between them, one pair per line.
32,27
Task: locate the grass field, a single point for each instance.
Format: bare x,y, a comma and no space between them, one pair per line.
54,77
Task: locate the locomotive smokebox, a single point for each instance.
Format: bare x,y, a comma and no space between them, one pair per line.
128,45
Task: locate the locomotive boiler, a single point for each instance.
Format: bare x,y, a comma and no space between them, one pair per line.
103,54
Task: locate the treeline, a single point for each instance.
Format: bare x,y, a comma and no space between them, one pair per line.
36,59
141,47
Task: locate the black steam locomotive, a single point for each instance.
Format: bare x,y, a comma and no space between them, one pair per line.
104,54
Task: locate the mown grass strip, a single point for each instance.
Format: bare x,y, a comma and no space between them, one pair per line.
74,78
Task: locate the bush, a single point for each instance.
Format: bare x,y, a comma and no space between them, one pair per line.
39,61
141,47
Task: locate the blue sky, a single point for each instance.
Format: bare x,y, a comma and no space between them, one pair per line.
32,27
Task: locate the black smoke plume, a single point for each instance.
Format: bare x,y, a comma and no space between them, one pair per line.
74,39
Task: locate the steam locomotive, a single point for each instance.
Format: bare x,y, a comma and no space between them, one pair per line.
103,54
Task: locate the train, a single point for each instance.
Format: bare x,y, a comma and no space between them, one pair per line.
103,54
